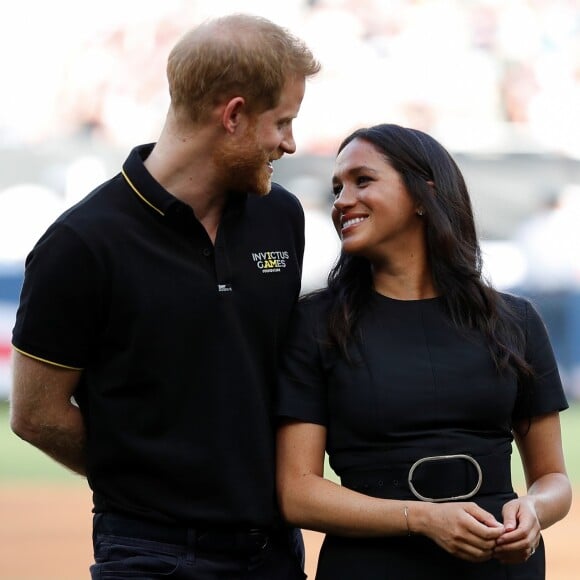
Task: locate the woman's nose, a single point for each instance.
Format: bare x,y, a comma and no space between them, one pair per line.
343,199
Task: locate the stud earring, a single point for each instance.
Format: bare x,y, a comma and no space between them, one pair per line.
420,212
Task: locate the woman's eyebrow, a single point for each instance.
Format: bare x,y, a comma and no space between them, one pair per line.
355,171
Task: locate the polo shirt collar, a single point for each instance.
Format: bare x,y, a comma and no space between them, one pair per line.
143,184
154,195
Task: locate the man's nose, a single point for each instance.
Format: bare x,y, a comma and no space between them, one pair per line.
288,144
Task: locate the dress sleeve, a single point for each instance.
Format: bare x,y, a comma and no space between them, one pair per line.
301,384
61,304
543,392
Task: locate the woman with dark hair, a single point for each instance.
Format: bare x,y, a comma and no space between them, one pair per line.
416,376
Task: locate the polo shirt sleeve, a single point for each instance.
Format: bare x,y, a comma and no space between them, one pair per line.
543,392
302,382
61,304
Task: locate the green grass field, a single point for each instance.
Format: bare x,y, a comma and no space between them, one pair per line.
21,463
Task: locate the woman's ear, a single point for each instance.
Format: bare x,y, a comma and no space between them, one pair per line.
420,209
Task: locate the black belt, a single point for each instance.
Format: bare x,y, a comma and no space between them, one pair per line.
435,478
208,540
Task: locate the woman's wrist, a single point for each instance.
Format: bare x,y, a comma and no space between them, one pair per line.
406,514
415,513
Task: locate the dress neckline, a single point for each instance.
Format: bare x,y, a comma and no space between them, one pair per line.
384,298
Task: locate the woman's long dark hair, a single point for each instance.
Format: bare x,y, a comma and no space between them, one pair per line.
453,249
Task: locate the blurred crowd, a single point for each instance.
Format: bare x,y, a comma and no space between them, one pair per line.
478,73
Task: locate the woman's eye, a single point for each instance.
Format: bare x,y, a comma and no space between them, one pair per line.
362,180
336,189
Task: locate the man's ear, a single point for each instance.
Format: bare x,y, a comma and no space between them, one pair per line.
232,113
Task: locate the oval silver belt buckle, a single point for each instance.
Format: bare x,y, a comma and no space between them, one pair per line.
439,458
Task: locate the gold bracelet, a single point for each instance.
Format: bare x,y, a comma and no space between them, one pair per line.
406,512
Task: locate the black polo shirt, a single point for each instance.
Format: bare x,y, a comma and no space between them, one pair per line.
178,340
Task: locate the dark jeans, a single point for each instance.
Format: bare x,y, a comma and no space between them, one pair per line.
128,548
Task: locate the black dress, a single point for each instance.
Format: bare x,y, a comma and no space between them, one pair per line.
418,387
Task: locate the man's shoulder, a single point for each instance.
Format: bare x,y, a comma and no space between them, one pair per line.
88,218
97,204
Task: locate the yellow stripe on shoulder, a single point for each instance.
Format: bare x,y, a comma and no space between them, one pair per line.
54,364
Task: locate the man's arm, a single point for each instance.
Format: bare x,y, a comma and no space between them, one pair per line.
42,412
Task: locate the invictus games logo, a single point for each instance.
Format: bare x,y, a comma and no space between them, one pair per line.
270,261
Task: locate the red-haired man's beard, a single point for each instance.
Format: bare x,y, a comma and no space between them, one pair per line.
246,167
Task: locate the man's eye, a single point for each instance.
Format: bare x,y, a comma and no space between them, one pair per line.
336,189
362,180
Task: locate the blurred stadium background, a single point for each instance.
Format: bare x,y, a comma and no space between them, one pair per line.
496,81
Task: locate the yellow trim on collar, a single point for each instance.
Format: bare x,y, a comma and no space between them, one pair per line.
139,194
47,361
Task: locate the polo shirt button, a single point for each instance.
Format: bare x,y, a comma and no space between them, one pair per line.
206,252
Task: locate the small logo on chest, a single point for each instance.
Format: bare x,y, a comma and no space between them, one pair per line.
271,261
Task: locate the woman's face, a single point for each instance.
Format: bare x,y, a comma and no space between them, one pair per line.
373,212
